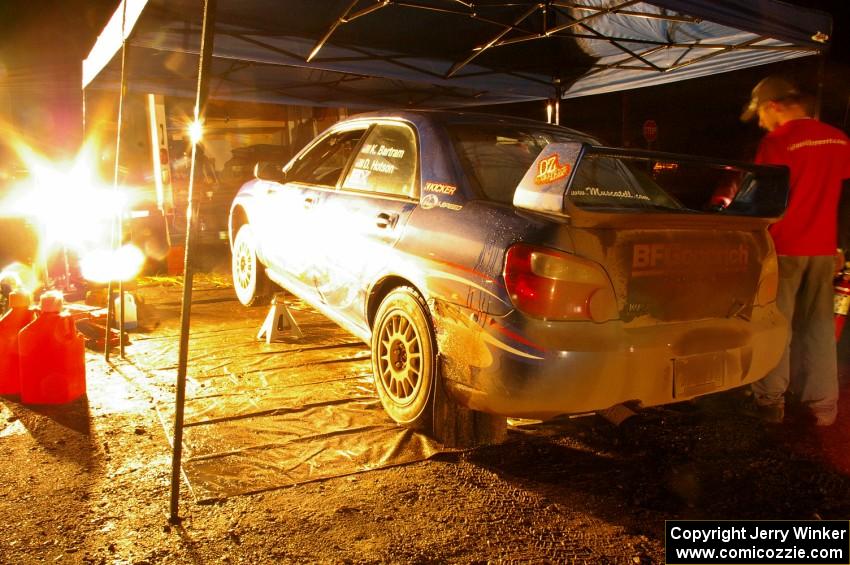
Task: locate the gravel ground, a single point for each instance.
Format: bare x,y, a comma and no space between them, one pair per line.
89,483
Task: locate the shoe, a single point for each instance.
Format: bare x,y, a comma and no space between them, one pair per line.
823,420
768,413
808,416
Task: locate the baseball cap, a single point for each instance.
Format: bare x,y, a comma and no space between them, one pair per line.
770,89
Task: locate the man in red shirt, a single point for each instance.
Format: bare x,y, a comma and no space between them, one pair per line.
818,157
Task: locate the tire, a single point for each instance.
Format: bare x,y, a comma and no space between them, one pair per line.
404,358
249,276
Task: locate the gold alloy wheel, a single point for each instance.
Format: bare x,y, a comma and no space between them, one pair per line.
246,270
244,258
400,358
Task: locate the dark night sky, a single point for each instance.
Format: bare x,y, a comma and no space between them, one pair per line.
42,44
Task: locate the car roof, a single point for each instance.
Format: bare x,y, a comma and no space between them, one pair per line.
447,117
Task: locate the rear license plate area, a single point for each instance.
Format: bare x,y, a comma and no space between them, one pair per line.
698,374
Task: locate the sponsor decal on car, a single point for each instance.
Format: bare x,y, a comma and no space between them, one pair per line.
550,169
602,193
543,186
663,258
432,201
440,188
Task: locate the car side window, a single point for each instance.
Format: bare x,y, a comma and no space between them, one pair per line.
386,162
325,162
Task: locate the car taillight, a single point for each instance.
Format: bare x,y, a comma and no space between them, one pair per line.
549,284
768,281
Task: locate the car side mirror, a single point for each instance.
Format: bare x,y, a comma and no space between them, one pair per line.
270,170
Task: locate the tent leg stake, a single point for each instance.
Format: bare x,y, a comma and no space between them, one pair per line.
207,38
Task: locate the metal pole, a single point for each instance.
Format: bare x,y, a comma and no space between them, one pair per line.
624,119
207,39
558,93
85,125
109,309
819,99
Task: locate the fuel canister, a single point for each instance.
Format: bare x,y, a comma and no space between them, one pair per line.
12,322
52,356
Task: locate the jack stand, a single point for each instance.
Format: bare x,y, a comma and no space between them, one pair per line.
278,322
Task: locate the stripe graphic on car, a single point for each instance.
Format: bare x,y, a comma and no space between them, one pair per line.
449,276
488,338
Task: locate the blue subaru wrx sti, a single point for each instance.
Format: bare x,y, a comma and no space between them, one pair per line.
518,267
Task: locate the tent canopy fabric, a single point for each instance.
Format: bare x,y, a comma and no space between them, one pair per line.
444,53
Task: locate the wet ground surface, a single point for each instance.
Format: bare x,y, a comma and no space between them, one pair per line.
89,482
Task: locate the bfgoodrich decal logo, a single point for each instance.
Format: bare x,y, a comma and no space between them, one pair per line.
665,258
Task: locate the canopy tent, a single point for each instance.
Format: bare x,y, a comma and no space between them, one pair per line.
424,53
444,53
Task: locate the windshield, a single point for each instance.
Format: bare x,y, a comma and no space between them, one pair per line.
495,157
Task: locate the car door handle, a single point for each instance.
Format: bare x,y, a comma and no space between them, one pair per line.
386,220
309,202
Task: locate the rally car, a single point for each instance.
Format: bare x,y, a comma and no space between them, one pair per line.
520,266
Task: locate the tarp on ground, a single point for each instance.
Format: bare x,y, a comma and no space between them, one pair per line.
263,416
444,53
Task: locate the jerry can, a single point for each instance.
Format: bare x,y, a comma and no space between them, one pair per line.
52,356
131,320
18,316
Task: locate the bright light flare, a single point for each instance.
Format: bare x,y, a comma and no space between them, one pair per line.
105,265
65,202
72,212
74,216
196,131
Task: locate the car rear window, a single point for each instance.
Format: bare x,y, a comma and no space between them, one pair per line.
615,180
496,156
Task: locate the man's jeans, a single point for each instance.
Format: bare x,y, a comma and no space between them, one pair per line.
809,366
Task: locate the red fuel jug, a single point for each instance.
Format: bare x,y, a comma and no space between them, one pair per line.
52,356
11,323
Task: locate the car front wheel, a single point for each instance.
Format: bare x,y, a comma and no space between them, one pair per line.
249,278
404,358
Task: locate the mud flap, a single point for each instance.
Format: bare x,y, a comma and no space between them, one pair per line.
617,414
456,426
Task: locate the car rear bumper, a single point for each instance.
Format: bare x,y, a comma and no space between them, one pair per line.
596,366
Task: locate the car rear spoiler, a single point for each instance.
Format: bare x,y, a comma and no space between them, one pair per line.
744,192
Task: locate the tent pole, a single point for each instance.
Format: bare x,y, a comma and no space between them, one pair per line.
207,39
821,71
624,118
116,222
85,125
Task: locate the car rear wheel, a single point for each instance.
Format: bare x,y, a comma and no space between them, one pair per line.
249,278
404,358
